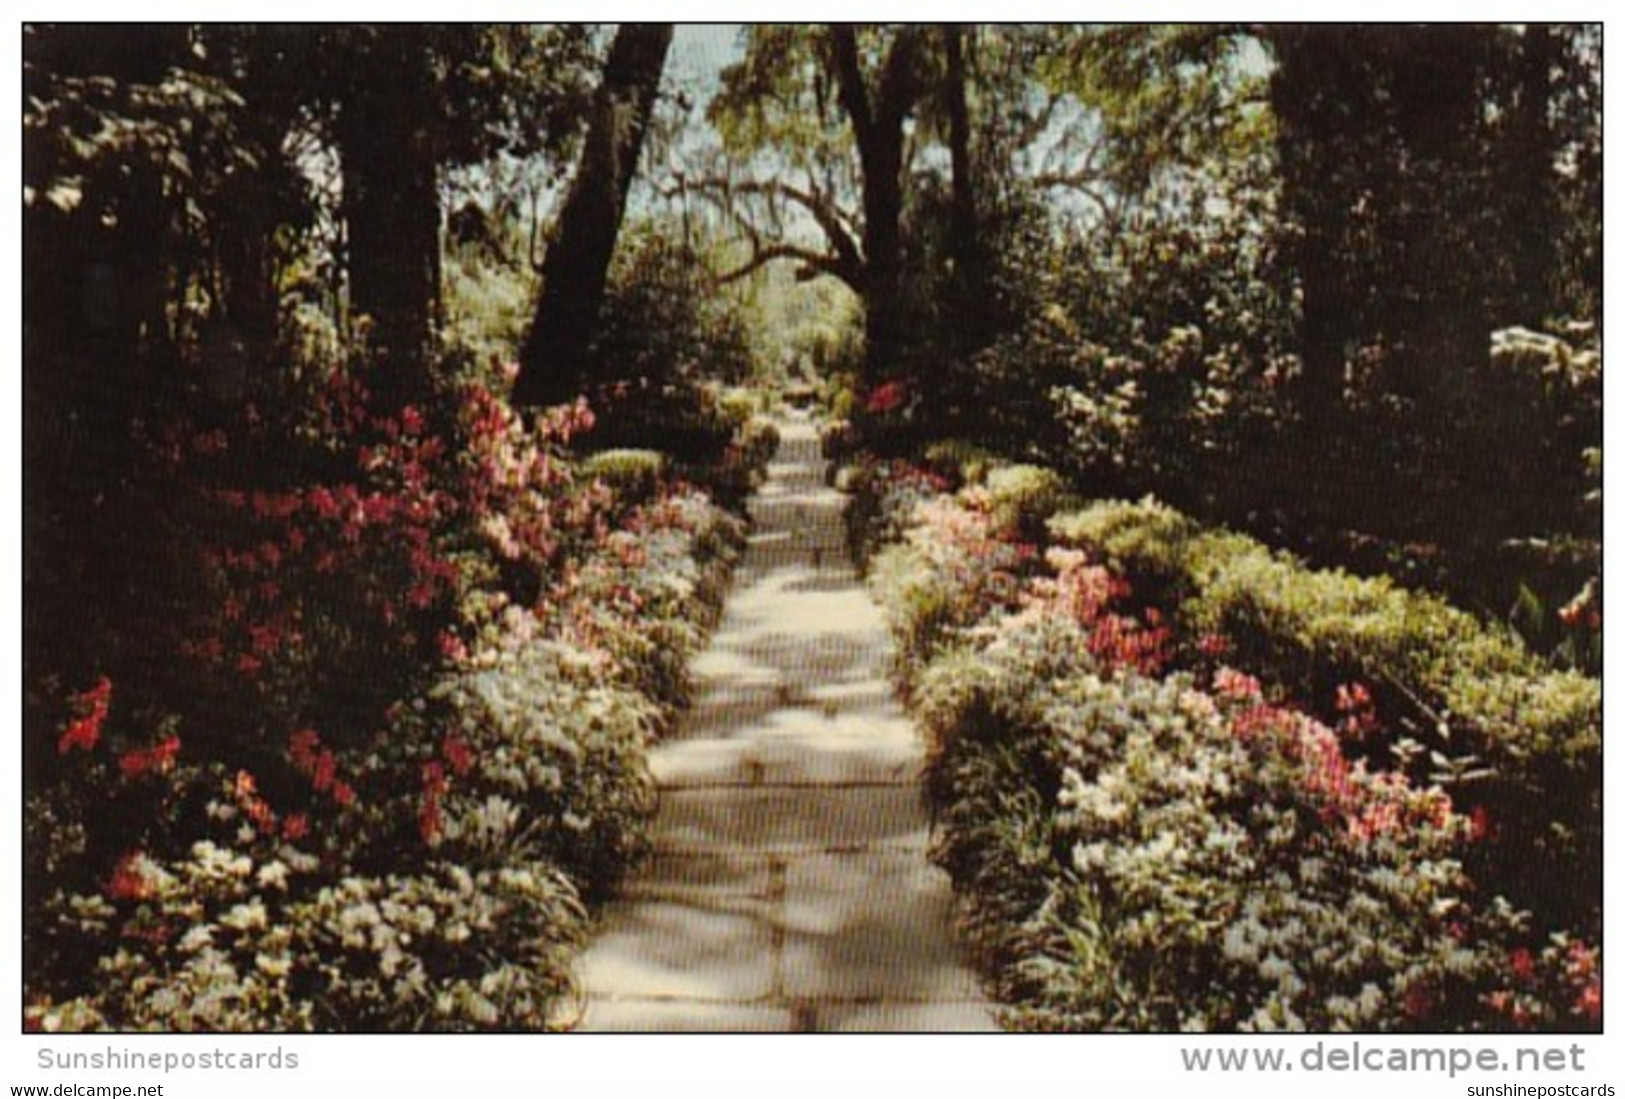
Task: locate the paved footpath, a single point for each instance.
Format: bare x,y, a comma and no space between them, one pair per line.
789,888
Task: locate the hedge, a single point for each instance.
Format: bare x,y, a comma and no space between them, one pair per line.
1149,851
1487,707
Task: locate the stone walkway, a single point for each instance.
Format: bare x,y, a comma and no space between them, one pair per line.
789,889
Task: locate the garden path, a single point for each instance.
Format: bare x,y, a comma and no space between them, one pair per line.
789,888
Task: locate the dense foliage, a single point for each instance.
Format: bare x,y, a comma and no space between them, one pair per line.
1148,837
341,668
392,393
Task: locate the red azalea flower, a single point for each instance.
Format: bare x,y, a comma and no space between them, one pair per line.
1590,1002
129,881
302,745
886,398
160,758
451,646
86,730
457,755
1352,696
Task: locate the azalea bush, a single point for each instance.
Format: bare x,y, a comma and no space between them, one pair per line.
1147,855
1519,741
1146,837
429,634
947,575
226,939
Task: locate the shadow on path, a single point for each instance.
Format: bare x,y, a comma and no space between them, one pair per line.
789,889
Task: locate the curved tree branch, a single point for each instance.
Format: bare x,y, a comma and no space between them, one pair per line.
845,258
813,265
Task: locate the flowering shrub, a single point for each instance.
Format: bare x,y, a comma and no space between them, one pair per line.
1166,858
1022,497
405,740
1151,851
647,598
947,575
222,940
961,461
887,397
531,727
634,475
884,495
1529,736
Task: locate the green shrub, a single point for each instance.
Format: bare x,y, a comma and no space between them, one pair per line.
1312,621
222,940
1132,863
634,475
1479,700
488,303
515,786
569,754
920,602
1023,497
884,498
961,460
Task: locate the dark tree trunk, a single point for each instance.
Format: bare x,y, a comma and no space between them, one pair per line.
1303,89
883,243
877,123
95,302
249,293
1448,237
968,297
392,211
964,195
1531,187
246,255
553,362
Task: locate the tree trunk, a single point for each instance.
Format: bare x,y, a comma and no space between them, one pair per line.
246,255
877,124
1304,64
883,244
969,302
1531,186
963,214
392,211
554,359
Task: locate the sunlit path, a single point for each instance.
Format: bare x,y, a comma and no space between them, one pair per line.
790,888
